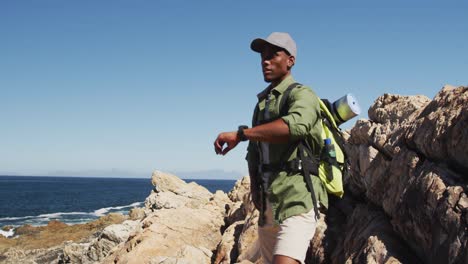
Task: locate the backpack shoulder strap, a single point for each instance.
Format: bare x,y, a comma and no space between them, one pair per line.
283,110
309,167
255,115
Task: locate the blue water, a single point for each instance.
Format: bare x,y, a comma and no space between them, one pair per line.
37,200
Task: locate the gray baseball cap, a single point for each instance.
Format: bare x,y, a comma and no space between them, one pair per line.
279,39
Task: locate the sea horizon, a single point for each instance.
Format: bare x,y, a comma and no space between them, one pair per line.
211,174
110,177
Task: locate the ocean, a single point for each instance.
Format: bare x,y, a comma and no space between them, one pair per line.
37,200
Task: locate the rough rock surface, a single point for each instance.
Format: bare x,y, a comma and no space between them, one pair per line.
239,241
44,244
183,225
406,199
100,247
136,213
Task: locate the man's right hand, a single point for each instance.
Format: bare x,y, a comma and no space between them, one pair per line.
231,139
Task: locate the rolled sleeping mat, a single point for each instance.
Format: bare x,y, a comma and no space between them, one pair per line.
345,108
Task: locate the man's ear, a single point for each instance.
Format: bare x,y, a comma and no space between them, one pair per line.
291,61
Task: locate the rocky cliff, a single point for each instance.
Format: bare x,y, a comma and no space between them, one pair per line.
405,202
406,198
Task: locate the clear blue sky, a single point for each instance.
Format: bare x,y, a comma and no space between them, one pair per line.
141,85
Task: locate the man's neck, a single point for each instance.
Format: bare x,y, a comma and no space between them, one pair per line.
276,82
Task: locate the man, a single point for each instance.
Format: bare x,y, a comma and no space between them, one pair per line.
288,212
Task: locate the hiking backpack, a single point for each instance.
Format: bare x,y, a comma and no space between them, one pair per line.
332,162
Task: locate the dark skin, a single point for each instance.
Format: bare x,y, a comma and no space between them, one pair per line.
276,66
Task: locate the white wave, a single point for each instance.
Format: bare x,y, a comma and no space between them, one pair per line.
104,211
16,218
59,215
137,204
8,233
52,215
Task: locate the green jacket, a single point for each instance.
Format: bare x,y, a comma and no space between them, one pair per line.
288,193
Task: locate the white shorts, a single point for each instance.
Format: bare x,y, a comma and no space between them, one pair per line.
291,238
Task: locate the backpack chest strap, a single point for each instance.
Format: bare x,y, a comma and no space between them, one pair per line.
292,166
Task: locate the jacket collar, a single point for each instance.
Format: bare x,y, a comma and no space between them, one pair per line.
279,89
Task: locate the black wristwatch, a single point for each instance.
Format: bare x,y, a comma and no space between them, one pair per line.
240,133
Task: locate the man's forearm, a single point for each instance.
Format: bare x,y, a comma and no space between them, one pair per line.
273,132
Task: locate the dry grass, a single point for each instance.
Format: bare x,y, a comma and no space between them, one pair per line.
55,233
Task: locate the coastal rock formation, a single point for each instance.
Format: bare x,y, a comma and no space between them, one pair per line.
97,249
183,224
406,199
239,241
45,244
136,213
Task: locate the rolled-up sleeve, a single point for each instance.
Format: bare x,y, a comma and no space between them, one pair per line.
304,110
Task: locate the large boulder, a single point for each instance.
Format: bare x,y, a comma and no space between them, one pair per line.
440,132
170,192
239,242
407,190
97,249
183,224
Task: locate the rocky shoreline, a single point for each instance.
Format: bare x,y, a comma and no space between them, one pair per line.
406,202
43,244
194,236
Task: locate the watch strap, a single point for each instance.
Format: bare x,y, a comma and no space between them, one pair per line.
240,133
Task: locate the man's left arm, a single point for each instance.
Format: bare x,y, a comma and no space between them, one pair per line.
295,125
303,113
303,110
276,131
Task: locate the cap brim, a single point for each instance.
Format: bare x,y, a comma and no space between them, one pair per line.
258,45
